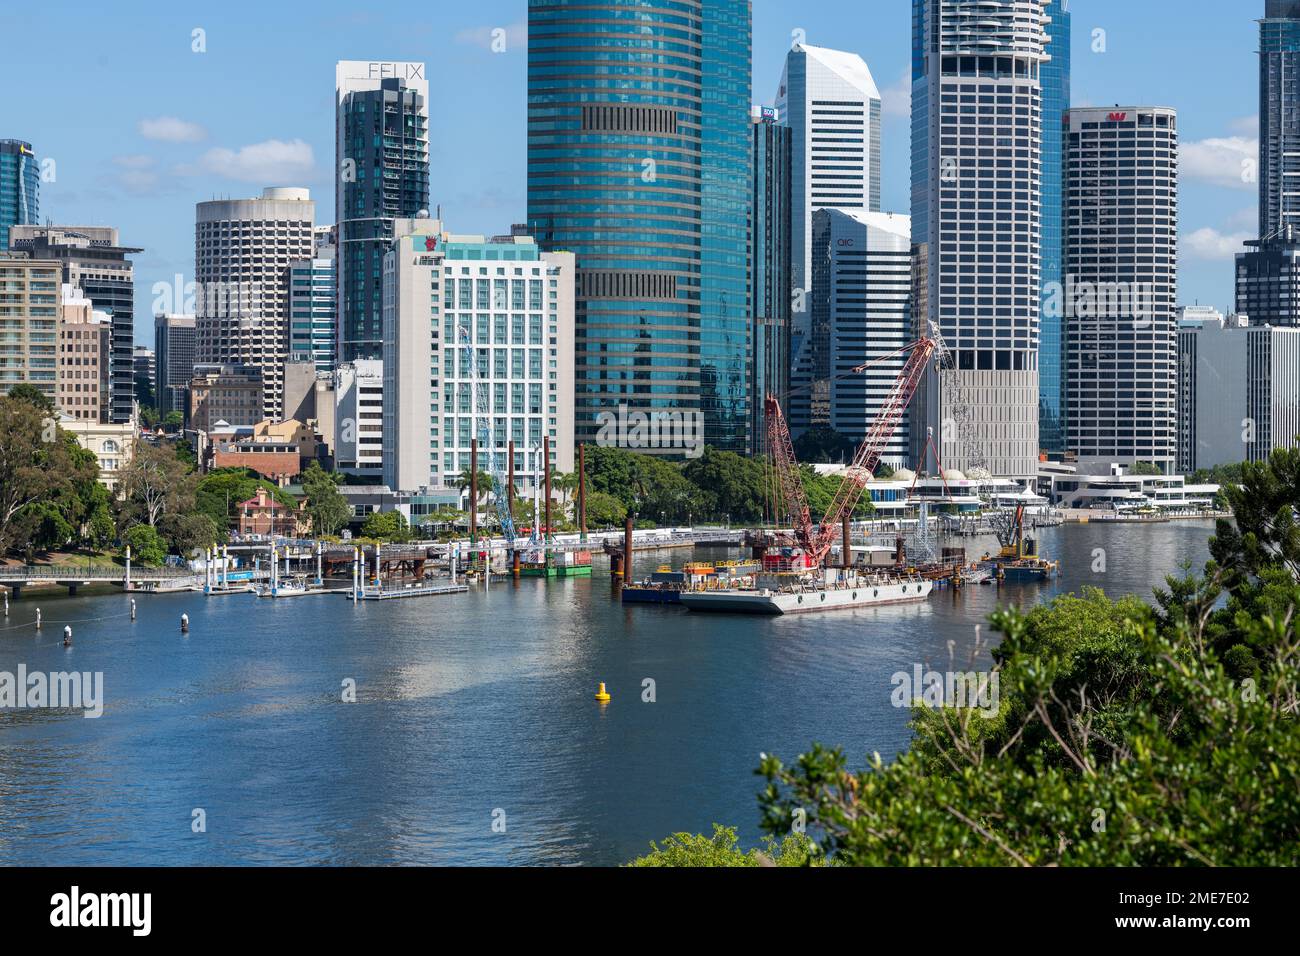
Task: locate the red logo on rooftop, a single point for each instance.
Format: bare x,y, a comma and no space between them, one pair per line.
430,243
1117,117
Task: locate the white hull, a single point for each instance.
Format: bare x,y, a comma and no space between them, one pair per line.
738,601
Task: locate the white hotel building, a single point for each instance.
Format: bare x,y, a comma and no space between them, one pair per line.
516,304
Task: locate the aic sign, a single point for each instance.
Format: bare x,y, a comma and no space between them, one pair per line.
1117,117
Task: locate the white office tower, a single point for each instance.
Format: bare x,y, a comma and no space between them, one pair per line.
1238,389
242,252
831,104
359,418
862,277
976,203
515,305
1121,277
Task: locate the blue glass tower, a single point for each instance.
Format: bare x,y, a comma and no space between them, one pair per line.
1055,79
19,187
726,305
639,163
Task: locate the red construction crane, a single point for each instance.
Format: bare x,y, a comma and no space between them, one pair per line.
816,541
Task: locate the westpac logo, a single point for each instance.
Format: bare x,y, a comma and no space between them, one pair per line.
1117,117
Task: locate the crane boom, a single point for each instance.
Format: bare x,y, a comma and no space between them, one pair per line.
816,542
788,481
868,457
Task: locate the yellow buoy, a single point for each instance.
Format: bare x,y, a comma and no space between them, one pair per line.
601,695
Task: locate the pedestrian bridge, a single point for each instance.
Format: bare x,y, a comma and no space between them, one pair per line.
16,577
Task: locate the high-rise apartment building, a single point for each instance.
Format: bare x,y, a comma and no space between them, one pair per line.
862,291
174,355
771,268
1268,279
1054,76
313,301
639,163
85,349
382,174
29,319
243,250
1279,117
20,184
1121,273
512,305
95,262
976,220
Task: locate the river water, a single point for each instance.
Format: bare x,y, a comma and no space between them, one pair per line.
471,710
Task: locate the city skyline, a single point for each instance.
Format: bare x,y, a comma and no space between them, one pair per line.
143,166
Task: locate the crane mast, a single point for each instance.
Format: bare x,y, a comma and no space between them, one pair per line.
816,542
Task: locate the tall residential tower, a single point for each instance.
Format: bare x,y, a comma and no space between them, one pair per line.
976,223
19,187
1279,117
381,174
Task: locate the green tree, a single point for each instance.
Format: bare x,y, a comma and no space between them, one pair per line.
155,483
40,465
729,484
605,511
26,392
147,545
721,850
172,421
386,526
328,508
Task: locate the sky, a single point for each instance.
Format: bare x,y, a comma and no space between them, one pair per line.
140,126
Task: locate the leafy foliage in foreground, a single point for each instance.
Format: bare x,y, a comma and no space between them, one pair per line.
721,849
1125,734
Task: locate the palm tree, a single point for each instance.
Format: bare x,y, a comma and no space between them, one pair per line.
486,484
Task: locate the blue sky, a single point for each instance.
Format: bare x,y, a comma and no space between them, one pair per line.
141,127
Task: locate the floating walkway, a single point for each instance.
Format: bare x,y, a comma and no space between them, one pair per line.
392,594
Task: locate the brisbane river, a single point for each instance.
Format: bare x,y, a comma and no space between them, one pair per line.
474,737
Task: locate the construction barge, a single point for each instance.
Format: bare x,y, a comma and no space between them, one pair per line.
789,583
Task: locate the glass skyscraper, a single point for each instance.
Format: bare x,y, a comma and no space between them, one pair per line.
639,162
771,269
19,187
726,309
1279,107
382,147
1055,79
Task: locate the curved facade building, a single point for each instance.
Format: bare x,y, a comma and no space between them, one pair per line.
645,177
20,183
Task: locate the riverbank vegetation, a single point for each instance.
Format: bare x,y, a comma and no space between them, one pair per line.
1125,733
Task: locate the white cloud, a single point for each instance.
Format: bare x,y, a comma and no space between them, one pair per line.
270,163
1230,161
1246,126
515,36
896,100
1212,245
136,175
169,129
